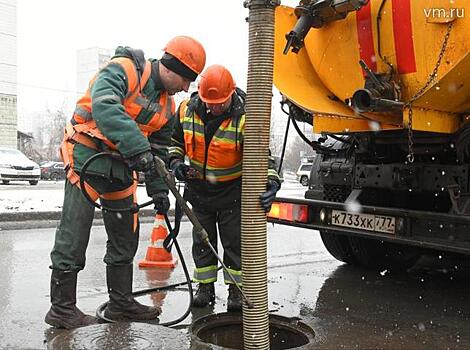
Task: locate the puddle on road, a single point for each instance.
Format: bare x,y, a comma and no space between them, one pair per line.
123,336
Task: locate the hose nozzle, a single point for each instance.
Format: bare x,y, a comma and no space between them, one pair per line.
316,14
295,38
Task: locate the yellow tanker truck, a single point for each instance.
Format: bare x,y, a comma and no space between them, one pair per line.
386,86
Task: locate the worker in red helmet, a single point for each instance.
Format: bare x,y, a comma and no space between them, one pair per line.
127,109
209,131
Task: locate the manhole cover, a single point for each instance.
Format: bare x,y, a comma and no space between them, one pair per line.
123,336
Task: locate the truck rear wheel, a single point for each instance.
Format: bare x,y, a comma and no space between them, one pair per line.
338,246
376,254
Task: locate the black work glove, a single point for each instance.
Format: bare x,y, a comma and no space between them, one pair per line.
142,162
267,198
152,173
179,169
161,202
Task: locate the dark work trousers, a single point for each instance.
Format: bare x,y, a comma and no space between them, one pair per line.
229,226
73,233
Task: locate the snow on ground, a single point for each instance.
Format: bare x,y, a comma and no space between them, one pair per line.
49,196
50,199
29,200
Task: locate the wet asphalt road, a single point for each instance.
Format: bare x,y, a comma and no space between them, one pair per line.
349,308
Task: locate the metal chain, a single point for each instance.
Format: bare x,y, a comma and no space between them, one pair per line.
410,157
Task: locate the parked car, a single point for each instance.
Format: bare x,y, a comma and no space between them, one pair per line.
303,173
15,166
53,171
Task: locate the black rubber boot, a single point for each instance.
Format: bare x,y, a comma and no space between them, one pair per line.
63,312
122,306
205,295
235,300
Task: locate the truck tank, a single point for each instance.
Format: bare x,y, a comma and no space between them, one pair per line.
386,83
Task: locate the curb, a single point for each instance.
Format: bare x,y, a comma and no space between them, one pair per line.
49,219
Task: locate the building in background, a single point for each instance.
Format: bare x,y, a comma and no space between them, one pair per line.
8,74
90,61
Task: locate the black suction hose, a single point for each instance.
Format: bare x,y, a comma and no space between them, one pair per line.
100,309
168,241
173,233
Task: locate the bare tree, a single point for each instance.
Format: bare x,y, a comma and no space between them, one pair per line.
276,136
295,151
48,133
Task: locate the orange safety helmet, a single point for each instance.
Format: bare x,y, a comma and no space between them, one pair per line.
188,51
216,84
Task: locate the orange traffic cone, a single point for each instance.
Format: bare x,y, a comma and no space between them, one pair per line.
157,256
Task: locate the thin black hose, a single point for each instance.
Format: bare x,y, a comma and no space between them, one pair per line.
284,147
133,208
301,134
186,274
174,233
314,144
100,309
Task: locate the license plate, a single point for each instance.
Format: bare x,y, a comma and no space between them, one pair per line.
370,222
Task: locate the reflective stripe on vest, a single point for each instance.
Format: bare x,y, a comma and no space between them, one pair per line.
133,103
83,113
224,158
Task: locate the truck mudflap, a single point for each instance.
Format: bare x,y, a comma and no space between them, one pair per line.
433,230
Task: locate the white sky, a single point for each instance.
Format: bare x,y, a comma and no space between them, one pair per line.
51,31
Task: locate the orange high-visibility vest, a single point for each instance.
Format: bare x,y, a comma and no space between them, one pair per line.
223,159
133,104
84,126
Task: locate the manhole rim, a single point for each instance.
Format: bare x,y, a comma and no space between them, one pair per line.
292,324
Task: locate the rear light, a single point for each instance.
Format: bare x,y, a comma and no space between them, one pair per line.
289,212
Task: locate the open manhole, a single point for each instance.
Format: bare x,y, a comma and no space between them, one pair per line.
225,330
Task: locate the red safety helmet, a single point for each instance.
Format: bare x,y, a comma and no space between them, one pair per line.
216,84
188,51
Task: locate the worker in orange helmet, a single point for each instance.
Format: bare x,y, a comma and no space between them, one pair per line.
209,131
128,109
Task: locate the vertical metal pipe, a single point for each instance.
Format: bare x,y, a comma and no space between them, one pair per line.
255,165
